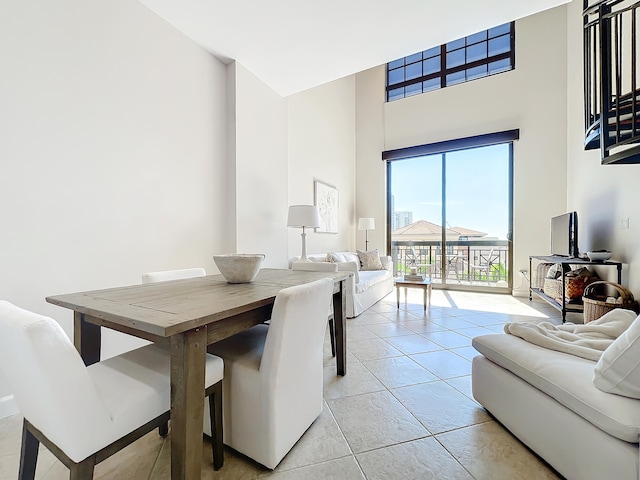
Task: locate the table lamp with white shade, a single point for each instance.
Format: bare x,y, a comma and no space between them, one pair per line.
305,216
366,224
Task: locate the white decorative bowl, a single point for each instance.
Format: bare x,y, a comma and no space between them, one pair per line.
599,256
239,267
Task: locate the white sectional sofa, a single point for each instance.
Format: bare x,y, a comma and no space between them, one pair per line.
549,401
364,288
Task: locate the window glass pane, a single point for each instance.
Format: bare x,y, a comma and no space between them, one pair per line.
413,71
499,45
413,89
395,94
500,30
455,44
477,37
396,63
396,76
431,52
454,78
431,65
416,57
476,52
477,49
476,72
500,66
455,58
432,84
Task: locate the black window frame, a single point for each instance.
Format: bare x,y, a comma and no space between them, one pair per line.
439,79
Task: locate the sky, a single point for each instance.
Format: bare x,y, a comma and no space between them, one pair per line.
477,188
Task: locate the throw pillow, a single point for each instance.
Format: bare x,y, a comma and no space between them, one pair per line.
370,260
335,257
352,257
618,370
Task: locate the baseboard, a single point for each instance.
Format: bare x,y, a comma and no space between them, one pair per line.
8,406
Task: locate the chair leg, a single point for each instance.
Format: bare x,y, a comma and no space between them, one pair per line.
83,470
332,334
163,430
28,454
215,412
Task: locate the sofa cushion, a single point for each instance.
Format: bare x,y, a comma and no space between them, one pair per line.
567,379
369,278
370,260
618,370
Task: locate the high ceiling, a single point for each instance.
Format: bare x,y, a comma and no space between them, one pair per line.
293,45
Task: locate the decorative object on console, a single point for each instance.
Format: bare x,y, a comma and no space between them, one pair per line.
326,198
366,224
599,255
239,267
305,216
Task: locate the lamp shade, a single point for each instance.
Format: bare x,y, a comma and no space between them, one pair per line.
303,216
366,224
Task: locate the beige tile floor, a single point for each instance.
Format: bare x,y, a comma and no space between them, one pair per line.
403,411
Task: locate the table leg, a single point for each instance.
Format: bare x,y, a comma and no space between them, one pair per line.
87,339
424,297
187,402
339,318
398,295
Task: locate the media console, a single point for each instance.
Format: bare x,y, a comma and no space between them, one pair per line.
565,306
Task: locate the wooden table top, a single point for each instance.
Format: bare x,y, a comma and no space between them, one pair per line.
167,308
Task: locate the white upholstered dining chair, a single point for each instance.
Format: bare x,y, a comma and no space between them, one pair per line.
166,275
272,386
84,415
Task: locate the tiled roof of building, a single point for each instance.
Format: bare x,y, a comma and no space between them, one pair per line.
423,227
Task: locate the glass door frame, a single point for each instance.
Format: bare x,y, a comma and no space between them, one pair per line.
506,137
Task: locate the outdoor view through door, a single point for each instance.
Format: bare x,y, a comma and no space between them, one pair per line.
450,216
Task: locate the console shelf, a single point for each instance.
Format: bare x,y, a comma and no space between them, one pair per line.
565,306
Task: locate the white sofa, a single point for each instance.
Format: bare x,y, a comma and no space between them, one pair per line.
364,288
549,401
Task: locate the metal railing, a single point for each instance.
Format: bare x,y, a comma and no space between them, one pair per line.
465,261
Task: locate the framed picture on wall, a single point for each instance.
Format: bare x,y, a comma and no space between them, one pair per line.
326,199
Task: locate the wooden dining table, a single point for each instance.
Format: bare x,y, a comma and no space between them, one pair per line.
186,316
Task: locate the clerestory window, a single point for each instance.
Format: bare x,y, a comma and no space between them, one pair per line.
476,56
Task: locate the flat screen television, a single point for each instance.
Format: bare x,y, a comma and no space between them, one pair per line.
564,235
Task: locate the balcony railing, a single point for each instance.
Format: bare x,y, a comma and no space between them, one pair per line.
465,261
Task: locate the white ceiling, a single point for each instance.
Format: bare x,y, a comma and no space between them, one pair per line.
293,45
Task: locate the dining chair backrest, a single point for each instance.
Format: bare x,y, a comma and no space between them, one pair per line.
294,345
48,378
167,275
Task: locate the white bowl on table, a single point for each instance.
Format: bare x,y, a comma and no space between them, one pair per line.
599,256
239,267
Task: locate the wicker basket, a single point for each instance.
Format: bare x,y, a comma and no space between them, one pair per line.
541,273
595,305
575,282
553,288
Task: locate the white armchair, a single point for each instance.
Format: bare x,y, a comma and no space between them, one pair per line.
83,414
273,375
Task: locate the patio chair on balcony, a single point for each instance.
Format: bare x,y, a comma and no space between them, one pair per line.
485,265
412,261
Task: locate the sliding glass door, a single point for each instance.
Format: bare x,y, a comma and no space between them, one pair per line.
450,216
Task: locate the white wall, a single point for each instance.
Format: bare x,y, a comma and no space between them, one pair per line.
602,195
112,148
322,147
532,98
260,123
371,175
